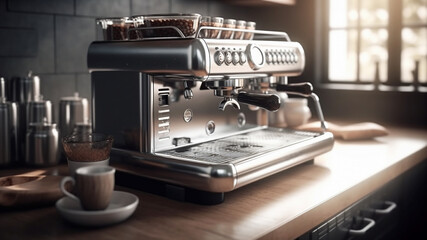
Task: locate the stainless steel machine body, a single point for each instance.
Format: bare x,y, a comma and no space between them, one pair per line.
193,112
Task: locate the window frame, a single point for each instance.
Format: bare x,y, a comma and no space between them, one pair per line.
394,48
352,102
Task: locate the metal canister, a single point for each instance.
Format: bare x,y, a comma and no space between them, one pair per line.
72,110
9,141
5,135
25,89
82,128
39,111
42,144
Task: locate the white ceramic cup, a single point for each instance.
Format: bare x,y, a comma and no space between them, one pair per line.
277,119
74,165
93,186
296,111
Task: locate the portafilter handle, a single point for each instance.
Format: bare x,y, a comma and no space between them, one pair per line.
270,102
304,89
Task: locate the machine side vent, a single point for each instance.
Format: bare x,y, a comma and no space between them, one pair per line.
163,114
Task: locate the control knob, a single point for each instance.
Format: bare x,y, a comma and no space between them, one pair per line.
235,57
219,58
242,58
228,58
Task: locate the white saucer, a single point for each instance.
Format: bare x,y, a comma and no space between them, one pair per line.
121,207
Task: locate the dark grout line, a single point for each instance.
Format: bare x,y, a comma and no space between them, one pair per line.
55,57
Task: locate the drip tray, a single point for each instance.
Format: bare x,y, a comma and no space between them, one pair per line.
240,147
203,172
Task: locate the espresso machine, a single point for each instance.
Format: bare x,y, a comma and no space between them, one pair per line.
189,115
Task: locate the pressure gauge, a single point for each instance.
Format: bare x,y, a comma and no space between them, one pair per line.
256,57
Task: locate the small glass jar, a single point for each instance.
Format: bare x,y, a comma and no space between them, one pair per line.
249,35
228,23
240,24
205,21
115,29
166,25
138,22
216,22
211,22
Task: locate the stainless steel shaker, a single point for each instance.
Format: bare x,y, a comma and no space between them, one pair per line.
82,128
72,110
9,144
39,111
42,144
42,137
24,90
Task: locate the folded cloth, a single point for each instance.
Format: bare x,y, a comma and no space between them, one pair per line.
364,130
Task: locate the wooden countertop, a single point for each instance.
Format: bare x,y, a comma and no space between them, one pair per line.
283,206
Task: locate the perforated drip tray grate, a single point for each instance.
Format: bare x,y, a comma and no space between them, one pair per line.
238,147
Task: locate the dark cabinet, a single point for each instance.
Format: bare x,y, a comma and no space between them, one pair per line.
398,210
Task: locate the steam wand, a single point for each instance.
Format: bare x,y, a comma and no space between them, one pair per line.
305,90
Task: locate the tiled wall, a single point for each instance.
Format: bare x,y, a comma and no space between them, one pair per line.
51,37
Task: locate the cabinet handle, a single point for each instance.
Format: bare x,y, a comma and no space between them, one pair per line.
369,225
391,207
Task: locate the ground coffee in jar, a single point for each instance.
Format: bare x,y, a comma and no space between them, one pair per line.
228,23
240,24
117,29
205,22
164,26
211,22
216,22
249,26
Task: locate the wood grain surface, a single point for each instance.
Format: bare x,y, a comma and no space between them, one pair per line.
282,206
29,189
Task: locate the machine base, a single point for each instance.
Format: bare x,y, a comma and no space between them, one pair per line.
173,191
168,190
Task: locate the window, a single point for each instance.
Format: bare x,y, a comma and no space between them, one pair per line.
381,42
414,41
